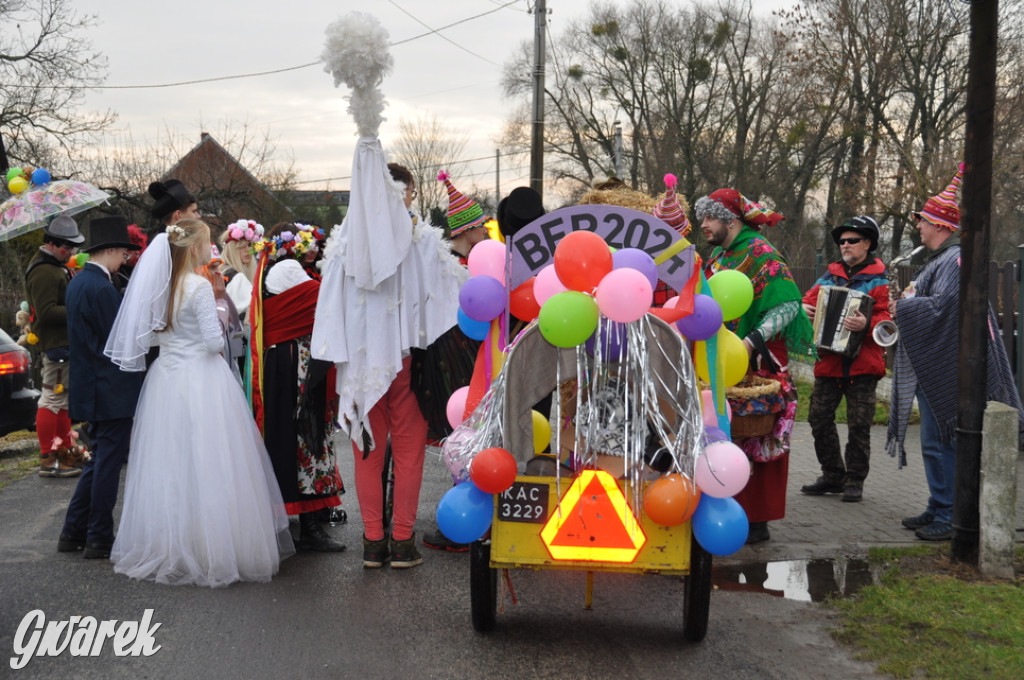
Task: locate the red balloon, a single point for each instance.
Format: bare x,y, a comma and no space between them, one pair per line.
522,302
671,500
582,259
493,470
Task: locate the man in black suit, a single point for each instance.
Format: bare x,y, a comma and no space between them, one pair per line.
100,392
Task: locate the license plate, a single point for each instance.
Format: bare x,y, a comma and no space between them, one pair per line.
524,502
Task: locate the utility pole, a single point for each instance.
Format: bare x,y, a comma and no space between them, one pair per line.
540,16
497,178
618,149
975,228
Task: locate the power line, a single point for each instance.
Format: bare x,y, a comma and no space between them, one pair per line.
438,34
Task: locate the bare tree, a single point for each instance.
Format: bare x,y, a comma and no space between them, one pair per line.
46,66
426,146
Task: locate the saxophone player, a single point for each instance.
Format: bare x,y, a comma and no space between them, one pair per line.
837,376
926,357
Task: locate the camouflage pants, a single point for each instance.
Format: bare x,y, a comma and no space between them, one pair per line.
859,391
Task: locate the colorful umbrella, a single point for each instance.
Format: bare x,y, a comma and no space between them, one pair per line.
34,208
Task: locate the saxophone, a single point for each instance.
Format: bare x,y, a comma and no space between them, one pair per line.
886,333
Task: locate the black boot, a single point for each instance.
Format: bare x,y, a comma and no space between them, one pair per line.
313,537
758,532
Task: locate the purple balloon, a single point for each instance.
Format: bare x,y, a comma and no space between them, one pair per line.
634,258
715,434
482,298
613,341
705,320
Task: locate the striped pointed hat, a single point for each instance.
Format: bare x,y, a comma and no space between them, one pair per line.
463,213
669,210
943,210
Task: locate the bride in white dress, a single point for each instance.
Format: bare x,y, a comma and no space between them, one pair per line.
201,503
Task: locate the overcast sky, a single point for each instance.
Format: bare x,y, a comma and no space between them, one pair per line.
150,43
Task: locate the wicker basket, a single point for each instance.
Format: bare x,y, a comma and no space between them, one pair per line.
752,426
755,404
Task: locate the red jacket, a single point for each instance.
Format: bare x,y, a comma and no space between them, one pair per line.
871,359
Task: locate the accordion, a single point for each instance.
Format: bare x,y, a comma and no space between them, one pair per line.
835,305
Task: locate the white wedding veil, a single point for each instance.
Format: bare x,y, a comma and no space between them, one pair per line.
143,311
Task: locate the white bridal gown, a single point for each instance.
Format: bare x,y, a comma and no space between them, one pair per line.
201,503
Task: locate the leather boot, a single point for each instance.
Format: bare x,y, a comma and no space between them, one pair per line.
312,535
758,532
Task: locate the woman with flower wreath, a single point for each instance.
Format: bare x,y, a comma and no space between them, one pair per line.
774,323
292,394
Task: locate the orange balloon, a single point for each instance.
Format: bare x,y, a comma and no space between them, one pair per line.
582,259
671,500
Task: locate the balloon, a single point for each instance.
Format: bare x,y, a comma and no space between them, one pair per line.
624,295
522,302
547,284
487,258
708,409
634,258
40,176
476,330
541,431
464,513
482,298
613,341
568,318
720,525
582,259
671,500
733,292
493,470
715,434
723,470
14,172
705,320
456,409
17,184
457,451
734,355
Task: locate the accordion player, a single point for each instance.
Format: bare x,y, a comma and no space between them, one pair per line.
835,305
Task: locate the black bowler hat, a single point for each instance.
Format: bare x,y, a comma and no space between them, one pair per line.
109,232
518,209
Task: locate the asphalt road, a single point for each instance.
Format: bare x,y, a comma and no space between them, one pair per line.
324,616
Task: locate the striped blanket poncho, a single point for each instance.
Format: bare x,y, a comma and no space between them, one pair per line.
926,355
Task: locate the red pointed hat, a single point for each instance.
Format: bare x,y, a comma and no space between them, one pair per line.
943,210
463,213
669,210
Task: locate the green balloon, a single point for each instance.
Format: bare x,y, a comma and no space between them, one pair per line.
732,291
567,319
14,172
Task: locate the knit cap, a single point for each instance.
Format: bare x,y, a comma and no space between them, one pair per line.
669,209
463,213
943,210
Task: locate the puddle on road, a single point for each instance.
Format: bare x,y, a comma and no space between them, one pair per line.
806,580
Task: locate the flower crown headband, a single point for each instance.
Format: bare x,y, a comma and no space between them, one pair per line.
244,230
295,244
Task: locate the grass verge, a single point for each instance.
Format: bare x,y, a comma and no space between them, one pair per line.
932,618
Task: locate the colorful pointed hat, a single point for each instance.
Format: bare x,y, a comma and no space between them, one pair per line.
943,210
669,209
463,213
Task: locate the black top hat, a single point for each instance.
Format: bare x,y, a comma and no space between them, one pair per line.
518,209
169,196
109,232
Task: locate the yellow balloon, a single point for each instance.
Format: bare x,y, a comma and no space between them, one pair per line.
541,432
17,185
732,358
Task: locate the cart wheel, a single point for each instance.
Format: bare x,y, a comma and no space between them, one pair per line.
483,586
697,594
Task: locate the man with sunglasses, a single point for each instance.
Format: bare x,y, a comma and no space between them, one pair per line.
837,376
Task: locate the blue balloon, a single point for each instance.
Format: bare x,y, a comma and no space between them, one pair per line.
40,176
720,525
476,330
464,513
705,320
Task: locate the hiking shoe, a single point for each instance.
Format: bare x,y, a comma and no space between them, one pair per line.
821,487
438,541
936,531
404,554
922,520
375,553
69,543
852,494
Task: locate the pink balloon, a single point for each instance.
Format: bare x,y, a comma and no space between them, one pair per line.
723,470
547,284
708,409
488,259
457,406
671,302
624,295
